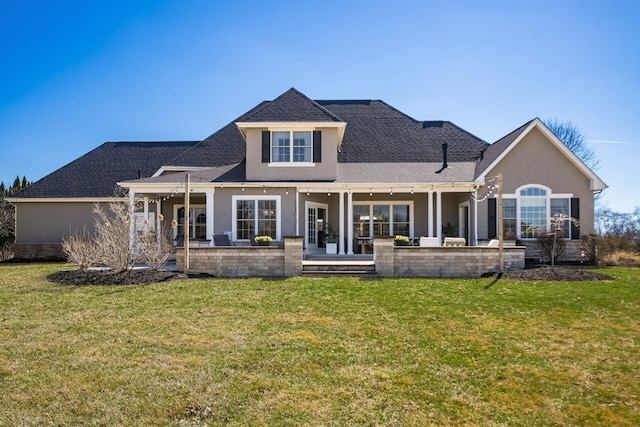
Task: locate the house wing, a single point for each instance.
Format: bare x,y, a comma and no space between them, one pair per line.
498,150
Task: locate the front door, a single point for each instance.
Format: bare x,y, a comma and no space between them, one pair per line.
315,223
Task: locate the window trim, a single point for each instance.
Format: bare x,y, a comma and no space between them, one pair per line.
548,197
391,204
255,198
291,162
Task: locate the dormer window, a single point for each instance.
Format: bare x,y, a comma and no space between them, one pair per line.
284,151
291,147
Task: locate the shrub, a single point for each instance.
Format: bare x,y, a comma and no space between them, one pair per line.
113,233
622,259
155,248
81,250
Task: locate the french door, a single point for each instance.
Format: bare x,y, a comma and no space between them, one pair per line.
315,226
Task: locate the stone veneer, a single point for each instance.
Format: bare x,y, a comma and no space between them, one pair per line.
35,251
245,261
573,250
466,261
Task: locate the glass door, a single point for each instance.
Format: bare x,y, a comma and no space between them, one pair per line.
315,224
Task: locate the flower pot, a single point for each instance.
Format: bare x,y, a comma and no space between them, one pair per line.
264,243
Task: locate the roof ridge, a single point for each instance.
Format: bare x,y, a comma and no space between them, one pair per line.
314,103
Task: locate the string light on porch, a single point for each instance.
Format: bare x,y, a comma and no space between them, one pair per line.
492,185
329,193
391,192
411,190
370,192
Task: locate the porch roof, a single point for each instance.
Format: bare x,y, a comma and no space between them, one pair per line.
352,173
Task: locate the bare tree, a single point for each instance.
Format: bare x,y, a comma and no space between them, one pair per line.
552,243
575,140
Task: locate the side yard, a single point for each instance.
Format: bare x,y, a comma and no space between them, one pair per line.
314,351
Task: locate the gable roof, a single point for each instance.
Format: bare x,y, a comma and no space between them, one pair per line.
378,133
497,151
95,174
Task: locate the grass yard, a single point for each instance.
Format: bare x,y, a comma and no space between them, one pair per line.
319,352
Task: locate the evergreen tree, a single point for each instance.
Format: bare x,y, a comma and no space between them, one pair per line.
16,185
25,183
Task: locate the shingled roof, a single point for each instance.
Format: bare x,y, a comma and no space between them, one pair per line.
95,174
377,132
291,106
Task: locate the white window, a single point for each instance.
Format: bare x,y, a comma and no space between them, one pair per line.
256,215
532,206
383,219
291,147
197,221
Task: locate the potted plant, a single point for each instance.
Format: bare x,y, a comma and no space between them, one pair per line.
401,240
263,240
331,240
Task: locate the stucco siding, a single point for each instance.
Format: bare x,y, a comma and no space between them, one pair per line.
327,169
536,160
51,222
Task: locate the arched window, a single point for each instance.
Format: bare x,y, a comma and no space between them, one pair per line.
526,213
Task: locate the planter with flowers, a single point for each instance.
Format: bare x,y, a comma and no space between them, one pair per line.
263,240
401,241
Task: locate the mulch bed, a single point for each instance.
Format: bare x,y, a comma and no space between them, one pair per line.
563,274
132,277
108,277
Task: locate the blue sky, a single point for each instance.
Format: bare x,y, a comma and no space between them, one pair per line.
76,74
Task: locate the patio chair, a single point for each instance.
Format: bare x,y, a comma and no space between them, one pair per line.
179,240
221,240
494,243
455,241
252,239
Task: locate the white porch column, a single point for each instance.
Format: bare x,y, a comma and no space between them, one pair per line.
430,213
475,217
341,224
158,224
439,216
146,213
209,212
298,211
349,223
132,219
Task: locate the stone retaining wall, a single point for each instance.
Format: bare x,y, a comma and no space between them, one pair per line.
245,261
467,261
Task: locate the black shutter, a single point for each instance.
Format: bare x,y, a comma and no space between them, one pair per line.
492,225
266,146
575,213
317,146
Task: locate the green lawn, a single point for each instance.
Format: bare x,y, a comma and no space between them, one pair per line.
333,352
